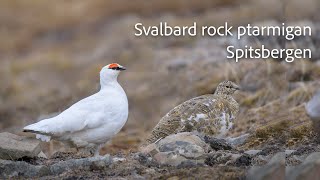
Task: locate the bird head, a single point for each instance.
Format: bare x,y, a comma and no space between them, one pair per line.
227,87
110,72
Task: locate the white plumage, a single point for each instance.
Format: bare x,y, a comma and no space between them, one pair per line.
92,121
313,107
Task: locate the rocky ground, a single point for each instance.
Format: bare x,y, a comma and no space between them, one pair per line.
48,63
179,156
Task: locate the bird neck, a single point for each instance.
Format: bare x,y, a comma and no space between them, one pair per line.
224,95
105,83
221,93
108,78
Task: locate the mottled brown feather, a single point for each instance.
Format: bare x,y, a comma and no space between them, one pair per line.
202,114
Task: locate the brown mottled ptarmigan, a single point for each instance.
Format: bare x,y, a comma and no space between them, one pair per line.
91,122
211,114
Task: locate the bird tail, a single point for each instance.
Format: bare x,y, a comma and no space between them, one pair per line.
29,130
40,133
39,136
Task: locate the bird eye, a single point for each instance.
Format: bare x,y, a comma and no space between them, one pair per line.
115,68
228,87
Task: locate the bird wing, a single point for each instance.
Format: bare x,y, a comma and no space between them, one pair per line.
85,114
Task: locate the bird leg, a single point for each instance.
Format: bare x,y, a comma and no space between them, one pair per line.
97,150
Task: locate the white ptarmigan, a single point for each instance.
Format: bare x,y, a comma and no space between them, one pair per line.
91,122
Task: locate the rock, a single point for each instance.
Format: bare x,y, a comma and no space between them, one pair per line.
187,149
145,159
150,171
9,169
270,150
182,149
237,141
119,159
302,150
42,155
217,144
259,160
149,149
252,152
298,159
244,160
308,170
92,163
173,159
228,159
13,147
275,169
180,138
299,155
221,158
22,169
289,151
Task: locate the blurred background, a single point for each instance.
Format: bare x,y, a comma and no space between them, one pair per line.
51,53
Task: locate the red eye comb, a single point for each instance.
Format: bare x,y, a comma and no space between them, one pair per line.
113,65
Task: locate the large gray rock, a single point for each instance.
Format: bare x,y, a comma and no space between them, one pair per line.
275,169
9,169
188,149
308,170
180,149
14,147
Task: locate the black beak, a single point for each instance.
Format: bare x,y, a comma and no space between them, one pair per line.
122,68
237,87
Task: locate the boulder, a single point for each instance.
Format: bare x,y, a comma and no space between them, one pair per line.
308,170
182,149
13,147
275,169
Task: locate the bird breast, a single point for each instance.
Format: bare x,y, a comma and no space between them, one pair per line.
211,116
